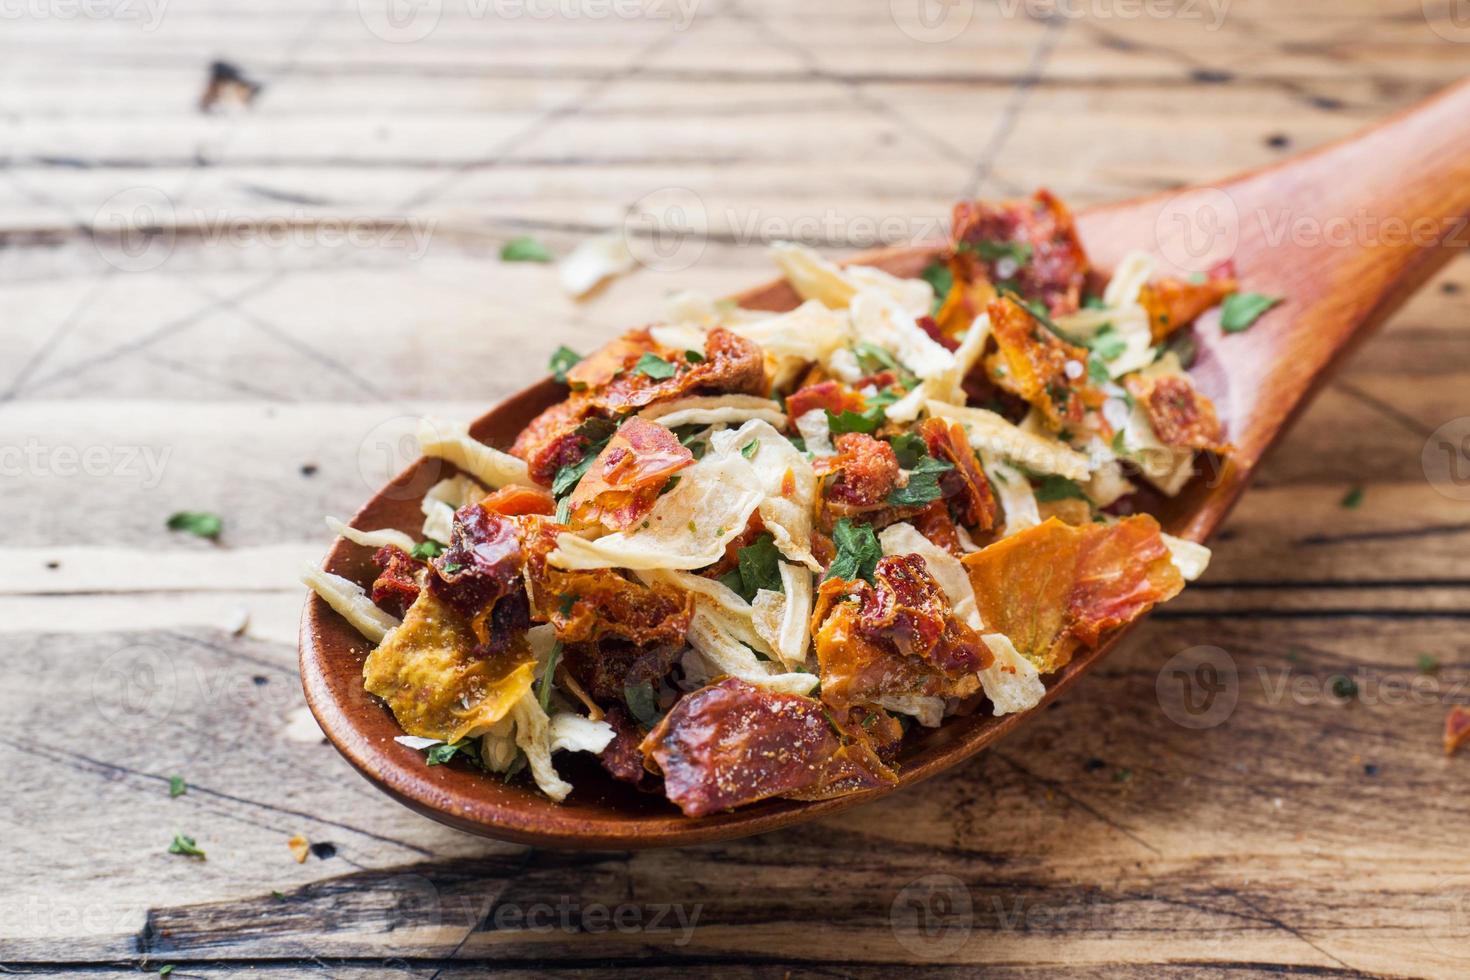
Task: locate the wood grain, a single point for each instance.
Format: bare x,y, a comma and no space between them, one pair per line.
255,360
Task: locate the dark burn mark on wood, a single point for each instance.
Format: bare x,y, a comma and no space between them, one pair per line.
1278,141
1326,102
1212,76
227,85
308,469
324,850
1450,288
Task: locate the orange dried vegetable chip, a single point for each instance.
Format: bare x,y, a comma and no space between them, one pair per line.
898,637
730,365
518,501
834,396
1054,587
623,483
591,604
975,505
1174,303
1032,362
1456,729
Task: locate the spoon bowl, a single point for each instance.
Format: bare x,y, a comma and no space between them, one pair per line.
1344,234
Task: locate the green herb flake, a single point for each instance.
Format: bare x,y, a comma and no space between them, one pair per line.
183,844
655,367
1120,445
525,249
563,359
937,274
909,447
543,696
750,448
759,567
567,477
437,755
197,523
693,357
642,703
1107,343
1240,311
1122,775
567,603
1093,303
1428,664
177,786
993,251
866,422
428,548
278,895
166,969
923,485
1352,498
858,551
1053,488
1343,686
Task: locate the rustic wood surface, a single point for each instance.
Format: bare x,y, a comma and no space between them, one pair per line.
244,360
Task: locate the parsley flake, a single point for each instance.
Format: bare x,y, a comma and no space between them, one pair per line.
524,249
1353,498
923,485
177,786
866,421
198,523
1055,487
185,845
1240,311
655,367
543,696
563,359
937,274
858,551
428,548
759,567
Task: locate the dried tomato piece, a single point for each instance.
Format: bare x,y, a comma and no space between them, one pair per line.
1053,587
518,501
623,483
594,371
398,582
590,604
867,472
898,637
1036,364
834,396
552,439
622,758
482,563
935,523
991,239
870,738
1174,303
1180,415
730,364
966,485
732,743
931,327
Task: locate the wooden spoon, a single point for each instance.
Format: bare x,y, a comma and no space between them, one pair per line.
1345,234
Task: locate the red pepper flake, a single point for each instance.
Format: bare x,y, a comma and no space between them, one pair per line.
1456,729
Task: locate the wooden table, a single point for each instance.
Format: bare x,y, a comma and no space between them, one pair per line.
244,360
